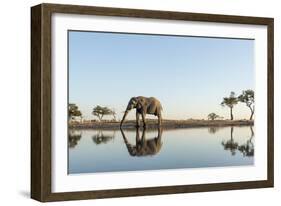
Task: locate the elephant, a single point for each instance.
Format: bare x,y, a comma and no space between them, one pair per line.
143,146
143,106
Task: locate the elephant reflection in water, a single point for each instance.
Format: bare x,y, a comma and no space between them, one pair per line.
246,149
143,146
102,138
73,138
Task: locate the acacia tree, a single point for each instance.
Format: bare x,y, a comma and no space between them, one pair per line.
230,102
213,116
248,97
100,111
73,111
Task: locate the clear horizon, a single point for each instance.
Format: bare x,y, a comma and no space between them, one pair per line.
189,75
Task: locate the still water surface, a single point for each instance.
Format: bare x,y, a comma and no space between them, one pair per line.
130,150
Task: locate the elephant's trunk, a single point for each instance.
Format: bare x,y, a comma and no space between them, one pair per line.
124,116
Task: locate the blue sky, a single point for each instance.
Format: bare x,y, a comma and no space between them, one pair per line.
189,75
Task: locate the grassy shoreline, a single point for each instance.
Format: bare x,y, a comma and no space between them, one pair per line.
166,124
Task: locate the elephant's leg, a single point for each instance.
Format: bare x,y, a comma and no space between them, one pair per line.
143,139
137,119
138,135
159,120
159,136
143,119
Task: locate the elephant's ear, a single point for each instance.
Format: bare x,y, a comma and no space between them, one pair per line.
140,103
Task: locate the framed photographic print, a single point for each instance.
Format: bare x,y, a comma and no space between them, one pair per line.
130,102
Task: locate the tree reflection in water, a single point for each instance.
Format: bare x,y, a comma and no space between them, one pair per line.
246,149
213,130
100,137
73,138
143,146
230,145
